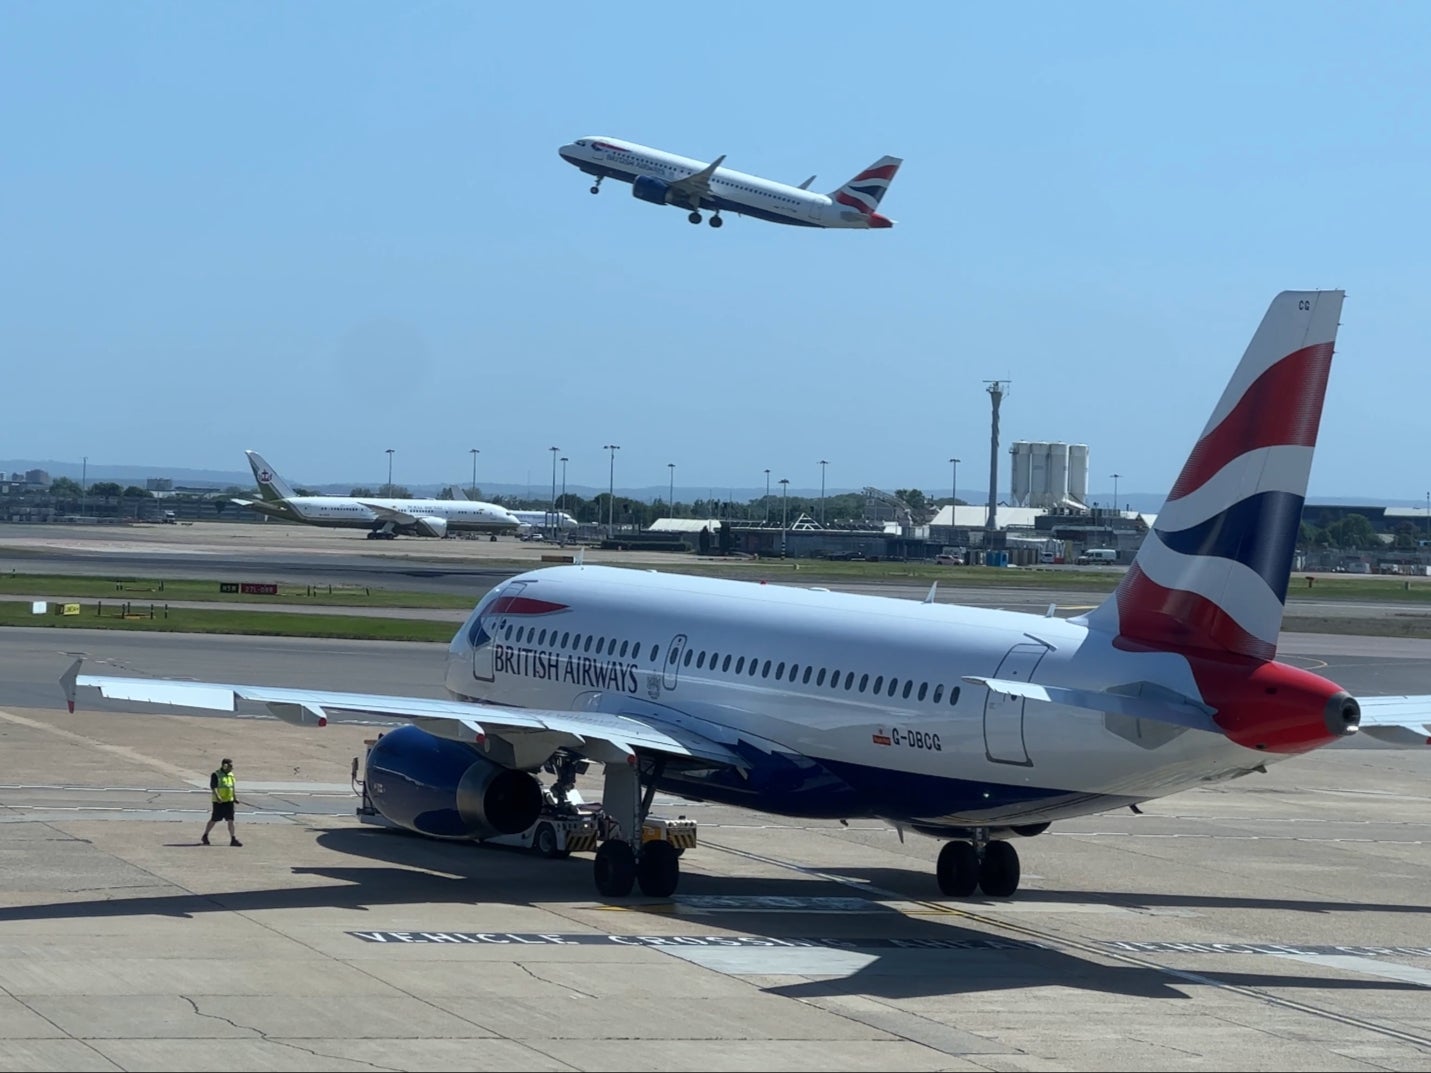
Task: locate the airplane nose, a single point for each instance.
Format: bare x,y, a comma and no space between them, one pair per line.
567,153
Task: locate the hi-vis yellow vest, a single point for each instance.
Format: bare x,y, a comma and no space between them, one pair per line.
224,789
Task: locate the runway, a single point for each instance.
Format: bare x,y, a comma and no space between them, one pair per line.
1276,922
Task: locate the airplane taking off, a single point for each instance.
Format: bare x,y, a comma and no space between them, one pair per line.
967,724
665,179
384,519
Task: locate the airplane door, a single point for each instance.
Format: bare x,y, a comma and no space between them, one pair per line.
1004,715
672,668
484,636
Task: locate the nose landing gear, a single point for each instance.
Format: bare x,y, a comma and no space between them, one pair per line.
596,186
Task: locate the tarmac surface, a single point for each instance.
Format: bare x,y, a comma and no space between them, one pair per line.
1278,922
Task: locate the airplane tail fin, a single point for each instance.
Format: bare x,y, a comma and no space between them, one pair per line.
1213,571
864,192
271,486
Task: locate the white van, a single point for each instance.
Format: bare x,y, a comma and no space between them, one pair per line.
1098,556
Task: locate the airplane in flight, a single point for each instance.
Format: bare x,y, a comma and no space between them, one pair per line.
384,519
971,725
663,178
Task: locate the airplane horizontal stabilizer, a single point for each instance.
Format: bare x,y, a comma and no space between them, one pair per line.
1404,720
1143,700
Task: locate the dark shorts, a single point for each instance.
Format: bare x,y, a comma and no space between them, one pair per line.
223,810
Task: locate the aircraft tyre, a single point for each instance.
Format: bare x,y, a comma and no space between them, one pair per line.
999,870
659,869
596,189
716,221
958,869
694,217
544,841
615,869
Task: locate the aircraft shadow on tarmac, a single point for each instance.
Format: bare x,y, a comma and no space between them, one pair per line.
910,955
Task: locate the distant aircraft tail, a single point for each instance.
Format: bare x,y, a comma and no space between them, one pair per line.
864,192
1213,572
271,486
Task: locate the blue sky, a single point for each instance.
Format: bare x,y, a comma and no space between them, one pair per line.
323,230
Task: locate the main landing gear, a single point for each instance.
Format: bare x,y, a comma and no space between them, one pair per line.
381,534
694,217
653,865
992,867
596,186
716,221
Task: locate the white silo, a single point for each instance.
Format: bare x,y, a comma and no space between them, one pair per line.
1078,472
1038,473
1021,461
1057,474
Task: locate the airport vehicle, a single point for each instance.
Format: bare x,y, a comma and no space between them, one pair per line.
384,519
662,178
969,724
1098,557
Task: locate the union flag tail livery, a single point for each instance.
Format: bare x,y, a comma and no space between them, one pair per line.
1213,572
864,191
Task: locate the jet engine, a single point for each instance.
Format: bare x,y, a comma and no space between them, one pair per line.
446,789
649,188
433,527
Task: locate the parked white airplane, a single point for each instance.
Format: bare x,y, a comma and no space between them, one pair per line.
666,179
963,723
534,519
384,519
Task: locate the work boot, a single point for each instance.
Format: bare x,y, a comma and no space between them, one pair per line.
235,842
205,840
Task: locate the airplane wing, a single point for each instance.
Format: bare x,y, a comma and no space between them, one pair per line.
694,188
1399,720
388,514
526,737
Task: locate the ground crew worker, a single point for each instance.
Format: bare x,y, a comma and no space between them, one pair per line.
224,790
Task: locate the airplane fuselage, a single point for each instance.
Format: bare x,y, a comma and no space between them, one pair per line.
342,512
730,191
844,704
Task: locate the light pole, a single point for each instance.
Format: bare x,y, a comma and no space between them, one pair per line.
84,473
390,472
767,497
610,486
784,492
562,504
1115,477
953,486
551,515
823,464
1428,516
671,494
475,453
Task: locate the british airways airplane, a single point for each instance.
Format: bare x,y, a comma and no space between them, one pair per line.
666,179
970,725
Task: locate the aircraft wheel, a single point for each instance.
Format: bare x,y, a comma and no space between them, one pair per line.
372,535
596,189
615,869
544,841
694,217
659,869
999,870
958,869
716,221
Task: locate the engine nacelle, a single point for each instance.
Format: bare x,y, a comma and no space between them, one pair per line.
446,789
649,188
433,527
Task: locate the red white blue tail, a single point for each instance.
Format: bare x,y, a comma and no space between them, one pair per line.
1213,572
864,191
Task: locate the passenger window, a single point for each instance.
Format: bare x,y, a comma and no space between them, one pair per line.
543,638
589,639
849,680
600,643
879,683
938,692
740,665
780,671
673,657
690,655
806,680
623,648
923,689
820,678
701,661
765,672
655,653
565,638
954,695
726,665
